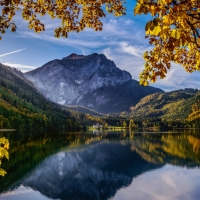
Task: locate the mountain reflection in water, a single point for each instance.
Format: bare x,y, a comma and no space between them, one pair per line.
86,166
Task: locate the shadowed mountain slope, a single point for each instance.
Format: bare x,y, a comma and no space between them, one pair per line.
91,81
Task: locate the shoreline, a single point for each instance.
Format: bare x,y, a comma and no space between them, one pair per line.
7,130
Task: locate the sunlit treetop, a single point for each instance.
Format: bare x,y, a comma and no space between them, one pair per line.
174,31
75,15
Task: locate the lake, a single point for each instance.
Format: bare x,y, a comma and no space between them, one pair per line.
101,166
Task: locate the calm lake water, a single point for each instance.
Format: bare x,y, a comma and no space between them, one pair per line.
88,166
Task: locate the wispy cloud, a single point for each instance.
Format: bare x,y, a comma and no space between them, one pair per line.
125,61
75,42
132,49
5,54
122,40
21,67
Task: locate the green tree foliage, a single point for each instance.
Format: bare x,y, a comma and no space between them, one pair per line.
27,150
169,105
182,149
194,116
23,107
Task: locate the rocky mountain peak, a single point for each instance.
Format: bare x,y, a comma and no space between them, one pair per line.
78,80
99,61
74,56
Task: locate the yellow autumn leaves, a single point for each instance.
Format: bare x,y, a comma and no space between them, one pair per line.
4,146
174,33
174,30
74,15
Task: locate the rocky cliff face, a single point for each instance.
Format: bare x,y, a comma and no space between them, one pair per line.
92,81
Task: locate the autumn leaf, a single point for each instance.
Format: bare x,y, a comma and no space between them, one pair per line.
3,152
74,15
174,33
2,172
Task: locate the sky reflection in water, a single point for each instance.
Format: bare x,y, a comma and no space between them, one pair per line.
121,167
169,182
23,193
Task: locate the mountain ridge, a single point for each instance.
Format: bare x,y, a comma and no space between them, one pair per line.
168,105
22,106
91,81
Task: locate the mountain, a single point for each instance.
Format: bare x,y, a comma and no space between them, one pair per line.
91,81
168,105
96,173
82,109
76,166
22,106
90,166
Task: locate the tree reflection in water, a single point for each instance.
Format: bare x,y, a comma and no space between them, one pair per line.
92,166
4,146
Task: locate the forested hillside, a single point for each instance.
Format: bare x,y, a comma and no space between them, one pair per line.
23,107
170,105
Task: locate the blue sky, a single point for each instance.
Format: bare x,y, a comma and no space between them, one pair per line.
122,40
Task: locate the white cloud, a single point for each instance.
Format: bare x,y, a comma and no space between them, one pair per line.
5,54
114,30
178,78
128,57
74,42
122,40
22,192
166,183
125,61
132,50
21,67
